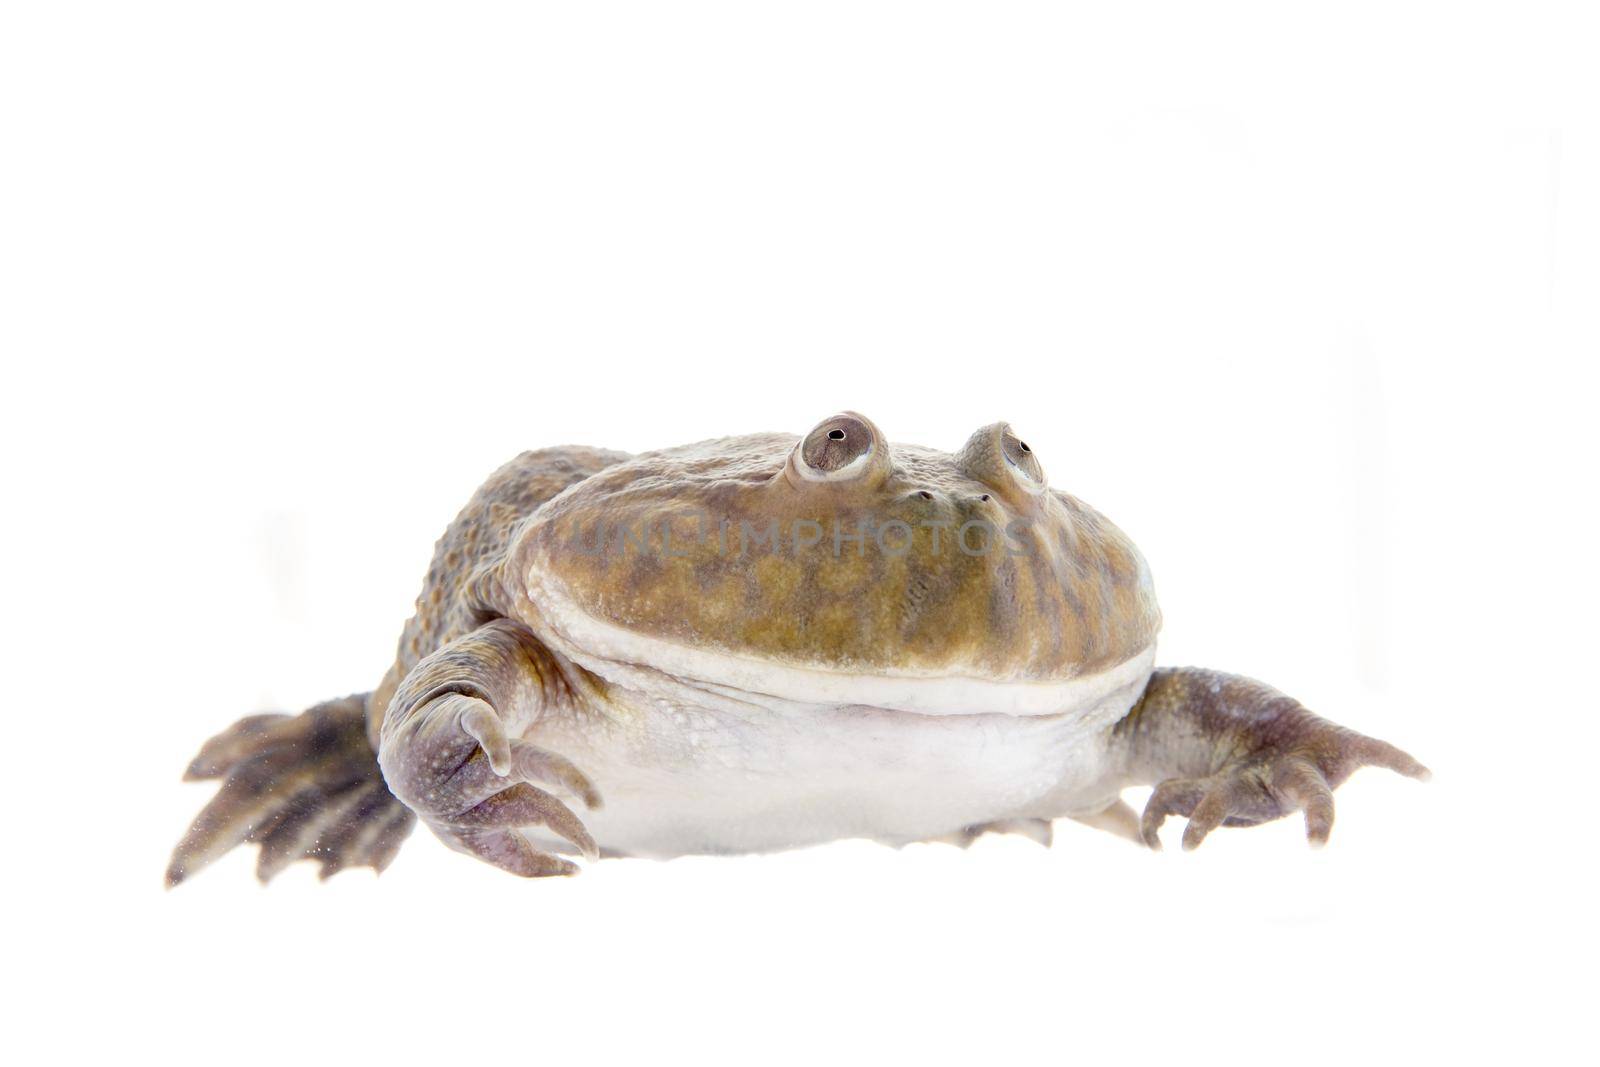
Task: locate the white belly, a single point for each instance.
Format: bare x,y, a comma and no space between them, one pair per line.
682,775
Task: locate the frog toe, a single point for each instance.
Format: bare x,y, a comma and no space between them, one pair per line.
1039,831
223,752
524,805
506,849
1118,819
476,787
302,787
1271,784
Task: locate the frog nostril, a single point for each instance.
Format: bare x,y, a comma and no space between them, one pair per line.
984,498
1024,446
924,494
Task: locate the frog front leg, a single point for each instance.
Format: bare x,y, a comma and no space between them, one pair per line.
448,750
1230,751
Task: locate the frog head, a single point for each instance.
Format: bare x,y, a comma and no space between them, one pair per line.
838,568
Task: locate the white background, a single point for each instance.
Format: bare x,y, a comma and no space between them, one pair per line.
1305,303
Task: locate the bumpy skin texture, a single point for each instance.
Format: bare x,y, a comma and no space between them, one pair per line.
1073,597
493,690
463,587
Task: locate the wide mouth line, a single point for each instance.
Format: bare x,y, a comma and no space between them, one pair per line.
597,642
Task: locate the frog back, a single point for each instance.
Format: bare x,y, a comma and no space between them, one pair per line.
452,600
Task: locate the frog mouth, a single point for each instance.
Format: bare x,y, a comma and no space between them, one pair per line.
632,658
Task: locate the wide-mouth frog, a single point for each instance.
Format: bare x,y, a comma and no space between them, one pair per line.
765,642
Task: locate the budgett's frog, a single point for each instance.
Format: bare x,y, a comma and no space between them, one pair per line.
759,643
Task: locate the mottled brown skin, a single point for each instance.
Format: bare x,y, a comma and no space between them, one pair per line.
1074,601
464,585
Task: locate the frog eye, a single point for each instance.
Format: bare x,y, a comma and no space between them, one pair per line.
998,458
1021,459
839,447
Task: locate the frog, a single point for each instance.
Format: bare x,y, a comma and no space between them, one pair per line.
764,642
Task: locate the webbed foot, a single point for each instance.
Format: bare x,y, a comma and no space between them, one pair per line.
303,787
